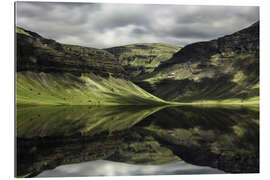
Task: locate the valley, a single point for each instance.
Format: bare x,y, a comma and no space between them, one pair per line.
223,71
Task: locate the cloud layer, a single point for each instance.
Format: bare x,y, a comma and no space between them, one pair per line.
108,25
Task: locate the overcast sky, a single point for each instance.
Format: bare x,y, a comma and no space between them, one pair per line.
108,25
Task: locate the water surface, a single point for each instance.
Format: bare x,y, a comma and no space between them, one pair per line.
139,140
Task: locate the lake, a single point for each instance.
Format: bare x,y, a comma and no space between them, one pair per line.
65,141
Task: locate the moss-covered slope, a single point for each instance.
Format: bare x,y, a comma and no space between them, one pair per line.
87,89
223,69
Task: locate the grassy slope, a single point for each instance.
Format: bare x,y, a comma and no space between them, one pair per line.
21,31
88,89
232,78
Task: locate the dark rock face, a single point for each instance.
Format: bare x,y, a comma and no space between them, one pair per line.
244,41
35,53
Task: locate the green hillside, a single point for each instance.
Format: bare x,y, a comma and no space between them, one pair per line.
225,70
143,58
52,73
87,89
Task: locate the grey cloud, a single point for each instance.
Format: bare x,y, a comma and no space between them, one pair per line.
107,25
139,31
115,16
71,13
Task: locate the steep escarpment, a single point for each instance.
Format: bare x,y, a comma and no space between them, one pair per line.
141,59
52,73
221,69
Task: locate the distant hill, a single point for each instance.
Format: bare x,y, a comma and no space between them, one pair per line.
225,69
49,72
143,58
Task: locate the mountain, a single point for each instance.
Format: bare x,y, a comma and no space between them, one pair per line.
141,59
49,72
224,69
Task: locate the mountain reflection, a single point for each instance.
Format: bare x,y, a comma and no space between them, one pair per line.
226,138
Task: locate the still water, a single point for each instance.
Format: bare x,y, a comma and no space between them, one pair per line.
64,141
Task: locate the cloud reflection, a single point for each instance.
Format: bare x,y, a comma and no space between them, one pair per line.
109,168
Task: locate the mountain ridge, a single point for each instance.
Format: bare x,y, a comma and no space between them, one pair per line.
222,44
